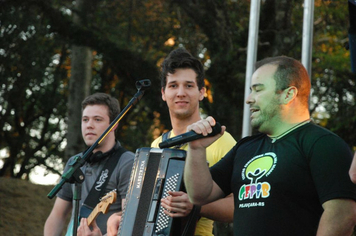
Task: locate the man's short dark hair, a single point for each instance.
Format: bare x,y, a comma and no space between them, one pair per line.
103,99
290,72
181,59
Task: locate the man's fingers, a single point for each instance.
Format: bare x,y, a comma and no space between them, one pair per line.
176,193
203,127
175,214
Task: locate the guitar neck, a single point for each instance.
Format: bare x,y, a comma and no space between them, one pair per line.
102,206
93,215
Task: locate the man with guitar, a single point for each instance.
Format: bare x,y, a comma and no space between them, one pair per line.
108,168
182,88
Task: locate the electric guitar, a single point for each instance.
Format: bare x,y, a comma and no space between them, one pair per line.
102,206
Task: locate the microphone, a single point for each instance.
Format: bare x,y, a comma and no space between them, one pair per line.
189,136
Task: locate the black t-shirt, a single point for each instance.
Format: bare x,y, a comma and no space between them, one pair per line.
279,187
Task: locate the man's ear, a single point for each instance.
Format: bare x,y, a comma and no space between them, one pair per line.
163,94
202,92
115,127
289,94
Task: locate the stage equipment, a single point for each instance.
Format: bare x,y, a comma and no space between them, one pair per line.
155,172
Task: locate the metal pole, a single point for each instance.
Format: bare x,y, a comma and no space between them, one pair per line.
307,43
251,59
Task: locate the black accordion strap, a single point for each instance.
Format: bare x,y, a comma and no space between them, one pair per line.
165,136
192,220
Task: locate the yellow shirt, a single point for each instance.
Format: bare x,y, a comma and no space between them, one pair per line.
214,153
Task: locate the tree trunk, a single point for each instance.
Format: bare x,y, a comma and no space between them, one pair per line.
79,88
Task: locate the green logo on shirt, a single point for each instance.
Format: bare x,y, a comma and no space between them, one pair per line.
255,169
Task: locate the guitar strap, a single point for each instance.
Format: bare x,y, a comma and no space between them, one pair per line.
101,181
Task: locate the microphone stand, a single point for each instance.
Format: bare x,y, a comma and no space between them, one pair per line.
74,174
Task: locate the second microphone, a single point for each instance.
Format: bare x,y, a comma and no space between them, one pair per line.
189,136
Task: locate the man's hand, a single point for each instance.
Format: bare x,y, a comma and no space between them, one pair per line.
84,230
204,127
113,224
177,204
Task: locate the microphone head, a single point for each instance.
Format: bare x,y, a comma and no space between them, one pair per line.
143,84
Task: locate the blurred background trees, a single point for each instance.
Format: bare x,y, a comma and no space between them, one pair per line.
53,53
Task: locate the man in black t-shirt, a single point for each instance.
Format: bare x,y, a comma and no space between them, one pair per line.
291,178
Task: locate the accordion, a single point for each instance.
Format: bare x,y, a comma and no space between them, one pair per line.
155,172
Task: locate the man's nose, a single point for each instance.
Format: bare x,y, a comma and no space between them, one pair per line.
90,123
250,99
181,91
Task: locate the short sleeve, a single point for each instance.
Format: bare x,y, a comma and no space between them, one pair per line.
330,160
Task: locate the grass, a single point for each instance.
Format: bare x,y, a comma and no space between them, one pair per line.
24,207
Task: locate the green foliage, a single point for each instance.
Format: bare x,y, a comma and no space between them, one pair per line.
33,92
333,84
129,40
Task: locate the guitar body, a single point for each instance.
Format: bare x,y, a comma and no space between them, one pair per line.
85,212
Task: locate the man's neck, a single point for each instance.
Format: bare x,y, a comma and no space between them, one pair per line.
179,126
288,124
107,146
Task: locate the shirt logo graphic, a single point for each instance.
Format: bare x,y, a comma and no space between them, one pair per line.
101,181
255,169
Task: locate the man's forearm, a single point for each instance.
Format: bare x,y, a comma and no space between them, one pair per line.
221,210
352,171
53,227
338,218
197,177
328,227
